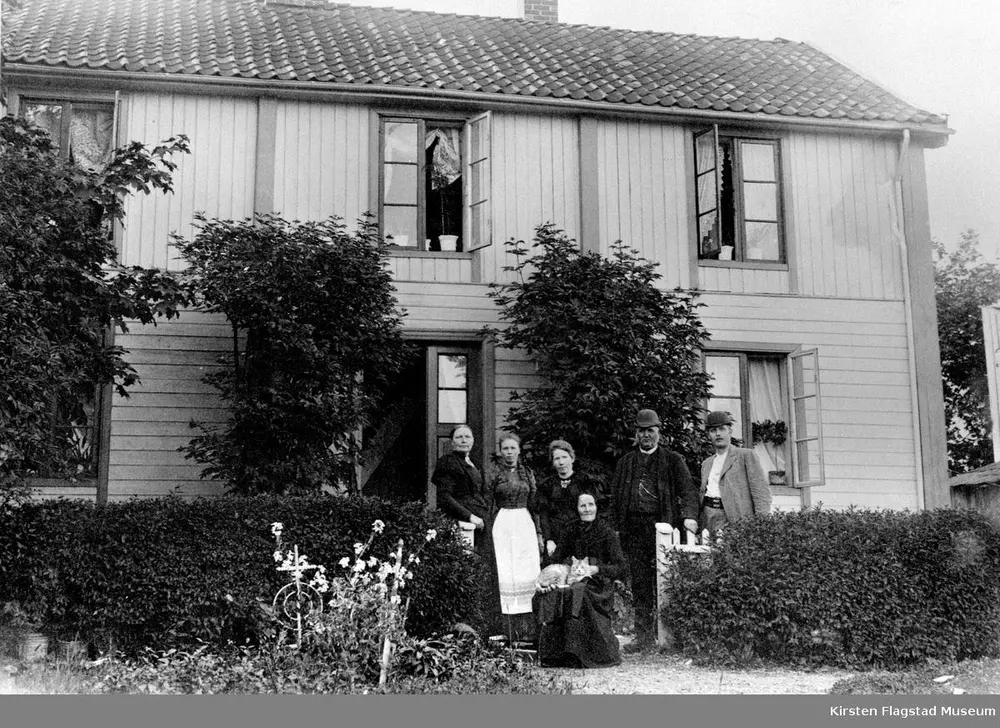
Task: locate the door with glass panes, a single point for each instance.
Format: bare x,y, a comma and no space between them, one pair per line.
454,387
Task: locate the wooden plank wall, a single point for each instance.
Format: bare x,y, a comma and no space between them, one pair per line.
321,161
148,426
642,193
216,178
535,179
866,402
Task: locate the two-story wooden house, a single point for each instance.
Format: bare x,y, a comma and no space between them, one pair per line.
786,187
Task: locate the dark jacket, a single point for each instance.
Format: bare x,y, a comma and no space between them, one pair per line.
597,542
675,488
460,491
557,505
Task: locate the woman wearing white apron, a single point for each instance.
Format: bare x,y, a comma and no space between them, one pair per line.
516,538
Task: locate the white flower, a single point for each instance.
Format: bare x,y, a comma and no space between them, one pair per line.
378,526
358,548
431,535
277,556
276,528
373,562
345,562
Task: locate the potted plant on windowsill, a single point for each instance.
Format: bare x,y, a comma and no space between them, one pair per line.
20,633
772,435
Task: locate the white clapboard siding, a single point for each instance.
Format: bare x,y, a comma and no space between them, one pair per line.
737,279
866,401
321,161
840,190
428,267
216,178
147,427
642,193
535,179
457,307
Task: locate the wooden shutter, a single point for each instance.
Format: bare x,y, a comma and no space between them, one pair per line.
807,420
478,217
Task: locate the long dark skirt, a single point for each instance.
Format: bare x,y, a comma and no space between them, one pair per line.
574,626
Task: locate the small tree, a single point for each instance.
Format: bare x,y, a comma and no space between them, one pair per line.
963,283
316,341
62,289
607,343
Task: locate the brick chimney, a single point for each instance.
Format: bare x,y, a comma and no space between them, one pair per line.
544,10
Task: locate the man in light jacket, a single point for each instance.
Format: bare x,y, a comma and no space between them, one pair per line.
733,483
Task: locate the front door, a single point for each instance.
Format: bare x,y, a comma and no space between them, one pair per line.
440,389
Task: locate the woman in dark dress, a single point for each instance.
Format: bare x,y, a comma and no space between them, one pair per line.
574,623
461,494
558,491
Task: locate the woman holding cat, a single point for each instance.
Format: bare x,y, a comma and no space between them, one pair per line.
515,534
461,494
575,620
557,496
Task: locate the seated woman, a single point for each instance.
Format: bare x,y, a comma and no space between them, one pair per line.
574,622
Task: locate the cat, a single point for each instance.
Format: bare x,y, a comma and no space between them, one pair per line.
561,575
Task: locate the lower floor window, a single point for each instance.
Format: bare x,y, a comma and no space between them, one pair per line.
774,414
71,449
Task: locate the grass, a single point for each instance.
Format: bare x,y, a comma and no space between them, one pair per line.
975,677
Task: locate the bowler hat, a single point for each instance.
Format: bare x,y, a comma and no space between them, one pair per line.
717,419
647,418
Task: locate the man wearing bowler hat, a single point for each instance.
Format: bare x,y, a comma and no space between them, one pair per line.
733,483
650,485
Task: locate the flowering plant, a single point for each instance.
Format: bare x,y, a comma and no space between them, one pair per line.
366,609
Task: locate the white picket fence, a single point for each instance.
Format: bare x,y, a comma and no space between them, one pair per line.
669,539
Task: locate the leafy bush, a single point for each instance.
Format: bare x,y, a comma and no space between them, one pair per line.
61,288
858,589
317,343
601,361
172,573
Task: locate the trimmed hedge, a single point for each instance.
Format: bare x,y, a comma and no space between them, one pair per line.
168,572
856,589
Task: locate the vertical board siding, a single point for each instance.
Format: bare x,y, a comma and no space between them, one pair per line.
430,268
865,384
845,246
321,163
147,427
642,194
216,178
535,179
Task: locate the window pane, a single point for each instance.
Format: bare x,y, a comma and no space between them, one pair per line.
401,141
444,446
91,135
401,184
452,371
478,140
760,201
708,233
707,200
478,171
478,233
401,224
762,241
451,406
807,459
770,431
443,146
726,373
806,418
758,161
734,407
46,116
704,151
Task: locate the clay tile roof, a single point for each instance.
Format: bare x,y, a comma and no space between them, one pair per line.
307,40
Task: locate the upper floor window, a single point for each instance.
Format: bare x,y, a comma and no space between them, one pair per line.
83,131
775,415
434,182
738,183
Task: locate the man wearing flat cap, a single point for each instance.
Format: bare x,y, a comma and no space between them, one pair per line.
733,483
650,485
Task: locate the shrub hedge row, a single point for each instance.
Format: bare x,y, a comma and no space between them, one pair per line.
168,572
857,588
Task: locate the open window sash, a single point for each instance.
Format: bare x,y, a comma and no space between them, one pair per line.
478,217
708,186
807,420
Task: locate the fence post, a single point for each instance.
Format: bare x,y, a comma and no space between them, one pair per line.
669,539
